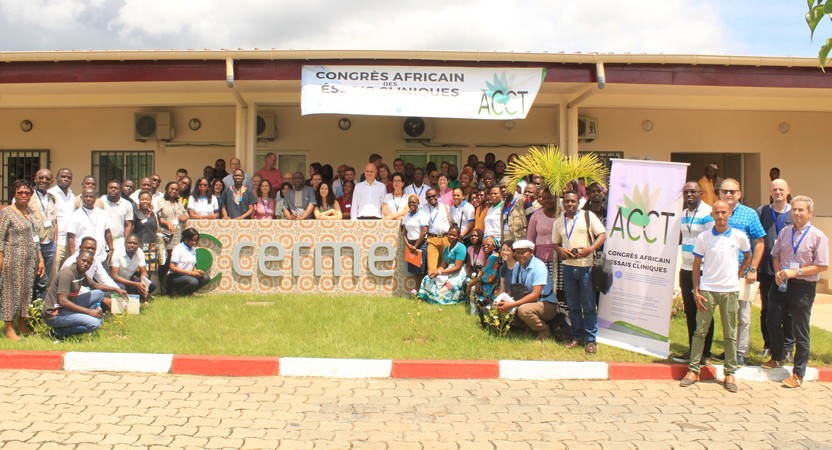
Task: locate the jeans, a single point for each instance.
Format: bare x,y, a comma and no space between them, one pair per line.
766,284
728,303
42,283
185,285
134,290
581,300
797,300
686,285
68,323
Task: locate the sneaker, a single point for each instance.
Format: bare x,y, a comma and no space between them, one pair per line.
683,358
730,383
766,353
591,348
54,336
690,378
572,344
793,381
740,360
773,364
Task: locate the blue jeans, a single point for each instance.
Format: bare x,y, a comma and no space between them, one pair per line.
42,283
68,323
580,297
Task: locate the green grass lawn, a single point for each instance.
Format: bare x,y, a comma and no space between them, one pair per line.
345,327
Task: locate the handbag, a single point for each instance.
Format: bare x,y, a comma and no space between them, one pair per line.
600,274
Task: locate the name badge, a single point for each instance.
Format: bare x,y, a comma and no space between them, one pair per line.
47,224
144,220
36,239
794,265
687,241
175,222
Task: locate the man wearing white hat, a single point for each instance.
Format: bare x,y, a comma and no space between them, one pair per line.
531,290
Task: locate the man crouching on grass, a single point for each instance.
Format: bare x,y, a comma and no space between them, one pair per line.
718,285
70,307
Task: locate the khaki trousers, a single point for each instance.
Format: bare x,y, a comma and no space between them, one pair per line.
436,245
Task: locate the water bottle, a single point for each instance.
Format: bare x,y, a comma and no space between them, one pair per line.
783,287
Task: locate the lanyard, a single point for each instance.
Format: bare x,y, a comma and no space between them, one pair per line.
397,204
520,272
44,206
779,226
507,210
459,208
569,231
420,190
266,205
795,247
88,217
692,218
432,215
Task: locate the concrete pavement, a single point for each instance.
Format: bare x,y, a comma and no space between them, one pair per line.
53,410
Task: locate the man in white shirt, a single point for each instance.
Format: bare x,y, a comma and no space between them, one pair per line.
718,285
129,269
148,184
229,179
120,212
462,215
90,221
368,196
418,187
65,205
89,182
439,222
96,272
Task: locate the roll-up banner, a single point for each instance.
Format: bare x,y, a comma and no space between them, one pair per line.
644,208
449,92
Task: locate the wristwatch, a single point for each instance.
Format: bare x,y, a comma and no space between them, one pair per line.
800,272
752,270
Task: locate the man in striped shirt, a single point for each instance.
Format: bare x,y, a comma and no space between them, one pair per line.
696,218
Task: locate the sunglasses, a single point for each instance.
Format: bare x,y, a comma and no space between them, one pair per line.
728,191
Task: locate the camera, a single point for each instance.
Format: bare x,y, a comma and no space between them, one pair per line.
574,252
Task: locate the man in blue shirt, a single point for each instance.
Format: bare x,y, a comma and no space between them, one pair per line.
538,304
746,220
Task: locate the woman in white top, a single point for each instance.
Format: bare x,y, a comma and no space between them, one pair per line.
185,278
415,232
202,204
395,204
493,227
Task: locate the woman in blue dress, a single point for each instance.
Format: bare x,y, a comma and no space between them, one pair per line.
446,284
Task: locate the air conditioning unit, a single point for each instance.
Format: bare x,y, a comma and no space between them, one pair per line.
417,128
153,125
266,126
587,128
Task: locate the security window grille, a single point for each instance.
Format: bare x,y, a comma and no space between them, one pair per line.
120,166
20,164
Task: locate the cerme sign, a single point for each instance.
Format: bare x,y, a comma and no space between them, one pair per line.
283,256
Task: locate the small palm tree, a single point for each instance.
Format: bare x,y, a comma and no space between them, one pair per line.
556,168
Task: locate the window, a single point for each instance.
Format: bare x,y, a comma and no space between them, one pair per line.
605,157
120,166
288,163
420,159
20,164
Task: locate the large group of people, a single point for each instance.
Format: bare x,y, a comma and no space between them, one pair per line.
470,235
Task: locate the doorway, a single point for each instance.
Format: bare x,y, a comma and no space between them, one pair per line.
743,167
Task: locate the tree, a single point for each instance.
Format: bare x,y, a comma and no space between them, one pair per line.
818,9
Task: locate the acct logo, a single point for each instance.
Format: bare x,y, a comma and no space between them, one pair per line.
498,98
205,259
637,212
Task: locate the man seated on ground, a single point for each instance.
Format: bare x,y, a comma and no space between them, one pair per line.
74,305
96,270
129,269
532,291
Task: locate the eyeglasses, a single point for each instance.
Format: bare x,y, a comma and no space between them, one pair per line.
430,196
23,193
690,192
728,191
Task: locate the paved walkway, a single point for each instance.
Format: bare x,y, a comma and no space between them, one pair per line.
50,410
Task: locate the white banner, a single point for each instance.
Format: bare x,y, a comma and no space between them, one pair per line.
452,92
645,203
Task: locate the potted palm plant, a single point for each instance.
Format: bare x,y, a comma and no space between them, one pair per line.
556,168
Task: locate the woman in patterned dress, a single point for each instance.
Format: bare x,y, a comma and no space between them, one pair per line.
174,218
20,260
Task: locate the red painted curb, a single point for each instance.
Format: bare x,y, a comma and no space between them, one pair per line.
825,374
445,369
655,371
228,366
32,360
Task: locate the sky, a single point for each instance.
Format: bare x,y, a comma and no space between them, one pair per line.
707,27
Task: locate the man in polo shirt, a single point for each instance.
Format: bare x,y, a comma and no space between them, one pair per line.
774,217
800,254
539,304
90,221
120,212
129,268
570,236
719,285
696,218
300,202
368,196
462,215
438,225
746,220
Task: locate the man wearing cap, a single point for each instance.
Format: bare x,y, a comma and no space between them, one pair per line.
512,216
538,304
710,183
